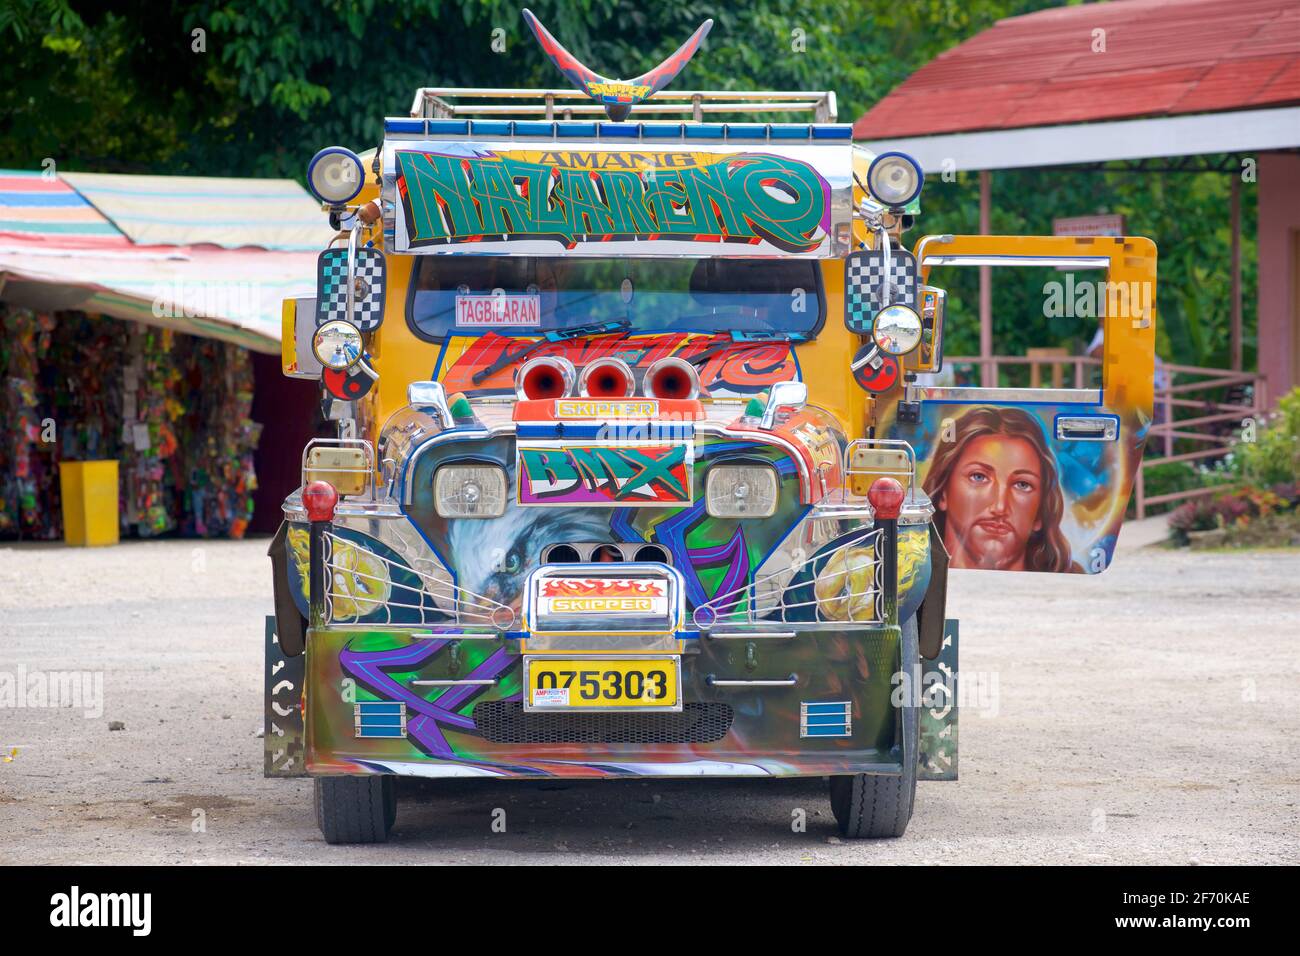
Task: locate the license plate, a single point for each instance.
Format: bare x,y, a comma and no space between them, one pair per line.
629,683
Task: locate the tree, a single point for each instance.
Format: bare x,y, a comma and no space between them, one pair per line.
229,89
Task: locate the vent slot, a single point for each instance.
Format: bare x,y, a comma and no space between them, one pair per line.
506,722
589,552
379,718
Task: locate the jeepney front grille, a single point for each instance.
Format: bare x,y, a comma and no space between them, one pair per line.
506,722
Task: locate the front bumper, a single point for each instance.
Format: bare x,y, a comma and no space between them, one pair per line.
365,714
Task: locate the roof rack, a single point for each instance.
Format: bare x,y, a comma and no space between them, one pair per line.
439,103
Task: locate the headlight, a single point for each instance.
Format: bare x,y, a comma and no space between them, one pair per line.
894,179
470,491
335,175
337,345
896,329
741,491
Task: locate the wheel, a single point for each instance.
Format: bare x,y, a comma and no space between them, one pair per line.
355,809
875,805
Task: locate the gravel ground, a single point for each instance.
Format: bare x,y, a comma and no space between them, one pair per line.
1145,716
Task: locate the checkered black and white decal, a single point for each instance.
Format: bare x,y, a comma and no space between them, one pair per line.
332,291
862,286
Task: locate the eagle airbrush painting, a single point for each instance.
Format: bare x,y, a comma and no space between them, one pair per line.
645,480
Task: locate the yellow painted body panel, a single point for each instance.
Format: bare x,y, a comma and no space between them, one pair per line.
401,358
288,339
1128,361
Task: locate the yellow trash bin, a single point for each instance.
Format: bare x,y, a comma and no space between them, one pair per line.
89,502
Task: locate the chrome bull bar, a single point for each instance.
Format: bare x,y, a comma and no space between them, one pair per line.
351,593
853,584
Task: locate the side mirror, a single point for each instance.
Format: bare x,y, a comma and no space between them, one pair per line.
783,397
364,306
866,291
433,396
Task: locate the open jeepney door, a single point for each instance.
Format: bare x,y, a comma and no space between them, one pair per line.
1038,479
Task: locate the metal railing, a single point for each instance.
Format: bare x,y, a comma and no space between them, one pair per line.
1199,412
550,104
994,369
844,587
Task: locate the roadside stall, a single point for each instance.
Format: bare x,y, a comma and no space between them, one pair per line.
136,340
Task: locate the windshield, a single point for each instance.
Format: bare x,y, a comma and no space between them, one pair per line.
510,295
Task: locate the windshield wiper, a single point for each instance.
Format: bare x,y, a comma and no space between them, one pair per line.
549,338
742,339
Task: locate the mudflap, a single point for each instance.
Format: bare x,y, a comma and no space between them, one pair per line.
282,735
938,758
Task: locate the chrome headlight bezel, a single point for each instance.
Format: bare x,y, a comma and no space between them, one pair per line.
888,193
717,500
450,484
336,175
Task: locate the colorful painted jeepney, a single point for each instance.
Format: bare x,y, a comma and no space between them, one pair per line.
637,472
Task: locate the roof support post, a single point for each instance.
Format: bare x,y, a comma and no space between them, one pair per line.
1236,271
987,372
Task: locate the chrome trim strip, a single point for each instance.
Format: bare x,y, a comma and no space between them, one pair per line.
765,438
455,636
1060,396
450,434
751,636
490,682
787,682
1076,262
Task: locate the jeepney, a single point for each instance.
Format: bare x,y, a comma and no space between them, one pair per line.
642,463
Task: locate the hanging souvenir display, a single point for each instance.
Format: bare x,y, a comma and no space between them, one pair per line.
148,439
220,437
173,410
29,509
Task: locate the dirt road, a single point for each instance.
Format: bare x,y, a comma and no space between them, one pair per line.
1149,715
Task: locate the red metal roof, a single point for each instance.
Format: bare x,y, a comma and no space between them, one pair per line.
1162,58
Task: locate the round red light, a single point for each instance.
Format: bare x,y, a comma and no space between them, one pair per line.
320,499
886,497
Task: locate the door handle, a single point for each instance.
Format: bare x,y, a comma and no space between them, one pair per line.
1087,428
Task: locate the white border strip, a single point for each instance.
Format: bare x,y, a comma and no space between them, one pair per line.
1228,132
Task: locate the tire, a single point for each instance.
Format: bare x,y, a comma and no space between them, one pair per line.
355,809
872,806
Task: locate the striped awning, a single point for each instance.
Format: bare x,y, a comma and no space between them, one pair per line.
58,251
191,210
228,294
44,210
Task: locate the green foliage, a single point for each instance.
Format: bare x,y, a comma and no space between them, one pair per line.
1185,213
1274,457
1236,512
24,20
268,85
261,88
1170,476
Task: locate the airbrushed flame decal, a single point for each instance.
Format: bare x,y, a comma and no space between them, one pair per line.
726,369
602,587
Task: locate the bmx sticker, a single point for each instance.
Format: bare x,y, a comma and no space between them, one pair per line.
605,474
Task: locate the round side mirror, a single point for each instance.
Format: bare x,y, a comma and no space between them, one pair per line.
337,345
896,330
